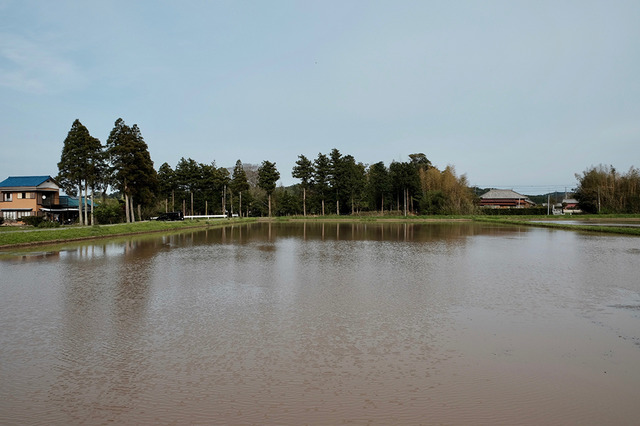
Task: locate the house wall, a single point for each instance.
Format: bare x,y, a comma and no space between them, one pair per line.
504,203
26,200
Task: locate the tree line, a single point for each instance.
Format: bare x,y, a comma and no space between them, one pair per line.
602,189
123,163
330,183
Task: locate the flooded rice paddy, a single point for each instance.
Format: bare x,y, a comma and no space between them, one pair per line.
328,323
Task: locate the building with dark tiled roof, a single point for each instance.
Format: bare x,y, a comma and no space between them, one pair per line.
504,198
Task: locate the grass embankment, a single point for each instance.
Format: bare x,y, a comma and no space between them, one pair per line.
545,222
25,236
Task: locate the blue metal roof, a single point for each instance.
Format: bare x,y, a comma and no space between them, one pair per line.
68,201
29,181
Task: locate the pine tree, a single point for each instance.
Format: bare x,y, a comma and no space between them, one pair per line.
321,172
239,183
132,170
303,170
268,175
80,164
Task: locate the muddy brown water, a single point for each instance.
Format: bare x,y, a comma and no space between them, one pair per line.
324,324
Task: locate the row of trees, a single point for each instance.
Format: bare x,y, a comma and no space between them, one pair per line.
414,186
331,183
602,189
216,190
123,163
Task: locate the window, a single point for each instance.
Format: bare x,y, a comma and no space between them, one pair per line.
6,196
16,214
26,195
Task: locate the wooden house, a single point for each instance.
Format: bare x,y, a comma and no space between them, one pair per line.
504,198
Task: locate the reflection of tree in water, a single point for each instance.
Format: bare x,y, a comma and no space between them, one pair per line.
103,363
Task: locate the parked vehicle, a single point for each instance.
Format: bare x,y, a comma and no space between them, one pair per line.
170,216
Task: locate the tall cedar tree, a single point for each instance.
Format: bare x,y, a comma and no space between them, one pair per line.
167,184
268,175
80,163
379,185
336,176
303,170
132,170
321,173
239,183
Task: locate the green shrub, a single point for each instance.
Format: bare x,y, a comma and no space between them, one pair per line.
32,220
108,212
48,224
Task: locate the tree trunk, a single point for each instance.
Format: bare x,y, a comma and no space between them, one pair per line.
139,212
269,205
126,208
304,201
92,205
86,212
133,216
80,204
86,219
404,196
323,207
240,205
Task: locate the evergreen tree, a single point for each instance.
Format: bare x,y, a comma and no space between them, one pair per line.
131,166
268,175
303,170
405,183
167,183
336,176
379,185
353,181
80,163
239,183
321,172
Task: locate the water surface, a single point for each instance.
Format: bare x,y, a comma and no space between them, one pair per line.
324,324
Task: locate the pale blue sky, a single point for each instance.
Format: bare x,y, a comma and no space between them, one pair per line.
514,94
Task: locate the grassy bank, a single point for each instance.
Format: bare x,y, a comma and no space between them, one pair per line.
12,237
544,222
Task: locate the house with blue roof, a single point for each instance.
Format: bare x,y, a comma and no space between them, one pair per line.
27,196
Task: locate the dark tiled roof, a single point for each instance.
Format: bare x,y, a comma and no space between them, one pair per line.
502,194
28,181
